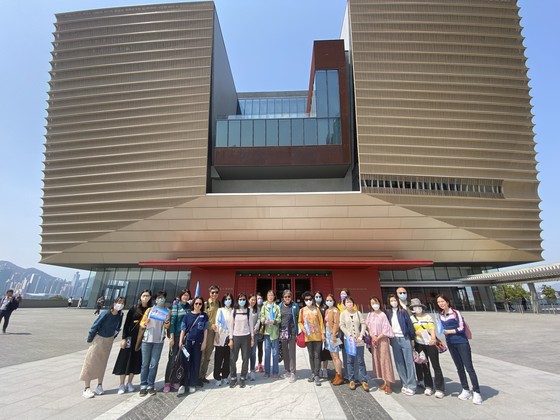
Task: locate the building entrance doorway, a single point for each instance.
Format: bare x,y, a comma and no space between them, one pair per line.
298,282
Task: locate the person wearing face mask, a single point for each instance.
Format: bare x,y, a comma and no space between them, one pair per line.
155,321
344,293
129,360
101,334
425,341
178,310
211,307
353,326
288,333
270,318
325,354
380,332
259,337
332,342
256,322
402,344
242,338
311,323
222,334
403,296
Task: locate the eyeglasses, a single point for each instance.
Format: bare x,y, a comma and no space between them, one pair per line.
309,300
214,293
198,303
287,296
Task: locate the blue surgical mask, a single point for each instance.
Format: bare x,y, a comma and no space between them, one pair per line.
259,301
160,302
227,302
318,299
402,296
241,302
329,303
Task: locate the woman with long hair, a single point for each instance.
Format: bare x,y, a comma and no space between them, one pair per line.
259,337
311,323
270,317
325,354
288,334
454,328
380,332
254,314
178,311
241,339
222,352
332,342
101,334
353,326
129,360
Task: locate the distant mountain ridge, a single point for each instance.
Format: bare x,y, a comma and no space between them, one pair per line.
7,269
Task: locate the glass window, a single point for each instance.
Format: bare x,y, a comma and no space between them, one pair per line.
310,131
247,133
322,131
234,137
284,133
286,107
333,93
321,93
255,109
242,106
278,106
428,273
259,133
221,134
293,107
248,107
272,132
301,105
334,131
297,132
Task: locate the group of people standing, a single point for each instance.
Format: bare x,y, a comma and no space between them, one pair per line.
231,327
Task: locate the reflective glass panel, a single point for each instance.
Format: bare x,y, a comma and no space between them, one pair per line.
259,133
247,133
310,131
272,132
297,132
334,131
221,133
284,133
333,93
293,106
248,107
322,131
278,106
301,104
234,137
255,109
321,93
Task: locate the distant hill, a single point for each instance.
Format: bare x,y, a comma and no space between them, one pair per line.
7,269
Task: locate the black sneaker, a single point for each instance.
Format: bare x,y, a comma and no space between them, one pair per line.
311,379
242,383
206,381
232,383
143,392
152,391
200,383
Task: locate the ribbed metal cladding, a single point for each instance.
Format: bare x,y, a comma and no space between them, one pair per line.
441,90
127,125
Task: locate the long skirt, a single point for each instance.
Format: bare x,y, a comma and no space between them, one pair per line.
97,358
382,365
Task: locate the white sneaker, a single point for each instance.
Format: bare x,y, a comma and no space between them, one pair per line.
252,375
292,378
403,389
121,390
99,390
192,389
88,393
428,392
181,390
477,398
440,394
409,392
465,395
130,387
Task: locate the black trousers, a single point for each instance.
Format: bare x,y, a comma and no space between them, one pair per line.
314,350
242,343
221,362
6,315
423,371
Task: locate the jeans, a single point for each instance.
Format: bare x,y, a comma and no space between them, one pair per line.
151,352
357,361
253,357
402,352
423,370
289,353
270,346
242,343
462,357
192,366
314,350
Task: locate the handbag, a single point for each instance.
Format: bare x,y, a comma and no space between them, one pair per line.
300,340
441,348
177,370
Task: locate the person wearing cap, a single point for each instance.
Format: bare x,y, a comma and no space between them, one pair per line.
425,340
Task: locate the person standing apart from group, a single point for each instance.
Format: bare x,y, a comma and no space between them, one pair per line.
194,339
152,343
178,311
129,360
241,339
270,317
288,333
222,334
380,332
402,344
211,307
332,342
101,334
99,304
311,323
353,326
454,328
8,305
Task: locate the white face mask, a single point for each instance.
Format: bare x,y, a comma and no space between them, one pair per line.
118,306
394,304
259,301
375,306
417,310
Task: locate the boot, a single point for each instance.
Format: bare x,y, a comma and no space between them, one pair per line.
338,379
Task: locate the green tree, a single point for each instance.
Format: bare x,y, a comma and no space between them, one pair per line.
549,293
514,292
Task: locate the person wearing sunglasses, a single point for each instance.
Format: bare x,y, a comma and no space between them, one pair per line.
194,339
311,323
288,333
270,317
211,307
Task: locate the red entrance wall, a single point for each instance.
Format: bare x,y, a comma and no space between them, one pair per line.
224,278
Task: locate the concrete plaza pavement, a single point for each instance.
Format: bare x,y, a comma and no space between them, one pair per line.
515,356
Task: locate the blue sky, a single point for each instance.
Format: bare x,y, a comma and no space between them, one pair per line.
269,46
